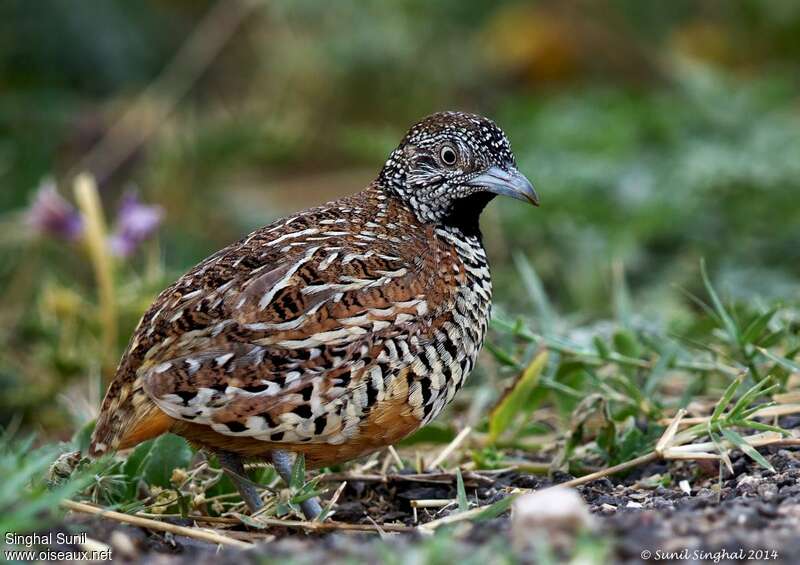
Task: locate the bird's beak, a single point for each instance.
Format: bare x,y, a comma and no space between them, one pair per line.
506,183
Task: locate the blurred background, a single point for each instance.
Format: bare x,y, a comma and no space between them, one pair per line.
656,133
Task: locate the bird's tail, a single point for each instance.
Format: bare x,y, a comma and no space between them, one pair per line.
127,417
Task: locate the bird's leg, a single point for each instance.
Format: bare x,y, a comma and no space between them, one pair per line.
232,464
283,462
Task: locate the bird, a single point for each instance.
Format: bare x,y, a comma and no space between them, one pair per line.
330,333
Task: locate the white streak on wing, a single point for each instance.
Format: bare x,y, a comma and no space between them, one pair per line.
343,335
281,326
356,320
328,260
222,359
193,294
269,295
293,235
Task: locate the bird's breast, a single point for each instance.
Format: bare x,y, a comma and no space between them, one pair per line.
447,354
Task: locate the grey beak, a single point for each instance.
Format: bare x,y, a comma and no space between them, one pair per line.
506,183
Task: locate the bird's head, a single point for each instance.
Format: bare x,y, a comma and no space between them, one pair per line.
450,165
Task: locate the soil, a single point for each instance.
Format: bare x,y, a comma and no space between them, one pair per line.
751,515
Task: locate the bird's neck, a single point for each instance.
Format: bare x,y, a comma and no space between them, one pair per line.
464,214
461,216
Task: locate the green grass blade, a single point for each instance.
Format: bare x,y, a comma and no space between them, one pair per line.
761,427
719,308
727,396
535,288
298,477
463,503
782,361
502,357
660,369
496,509
511,403
748,449
763,387
754,330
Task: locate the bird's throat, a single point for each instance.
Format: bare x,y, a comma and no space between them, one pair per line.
465,213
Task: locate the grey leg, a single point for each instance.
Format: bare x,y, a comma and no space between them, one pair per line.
283,462
234,468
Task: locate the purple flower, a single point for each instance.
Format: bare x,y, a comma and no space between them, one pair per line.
135,223
50,214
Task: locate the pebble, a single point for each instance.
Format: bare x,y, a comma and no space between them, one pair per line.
559,513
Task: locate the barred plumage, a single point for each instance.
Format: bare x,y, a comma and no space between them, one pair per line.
332,332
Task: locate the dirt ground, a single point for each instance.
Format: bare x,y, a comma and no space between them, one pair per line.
754,516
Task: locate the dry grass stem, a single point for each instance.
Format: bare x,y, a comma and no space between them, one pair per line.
196,533
450,448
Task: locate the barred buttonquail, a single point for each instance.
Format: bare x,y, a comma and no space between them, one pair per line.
333,332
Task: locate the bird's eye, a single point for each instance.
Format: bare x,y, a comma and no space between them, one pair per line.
448,155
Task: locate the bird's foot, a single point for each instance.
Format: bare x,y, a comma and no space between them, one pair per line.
234,467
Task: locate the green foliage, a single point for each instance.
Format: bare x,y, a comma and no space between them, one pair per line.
461,492
153,461
642,163
27,502
517,397
613,381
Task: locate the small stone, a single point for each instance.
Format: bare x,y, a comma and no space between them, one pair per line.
122,544
557,513
767,491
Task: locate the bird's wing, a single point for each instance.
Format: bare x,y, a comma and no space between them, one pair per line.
284,337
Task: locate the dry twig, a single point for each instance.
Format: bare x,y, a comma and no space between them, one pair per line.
196,533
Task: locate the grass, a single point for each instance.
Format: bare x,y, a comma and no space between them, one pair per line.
613,345
592,400
555,393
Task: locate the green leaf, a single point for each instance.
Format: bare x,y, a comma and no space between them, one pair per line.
748,449
463,504
772,338
153,461
723,452
762,387
134,464
501,356
168,453
533,284
496,509
727,396
298,477
512,401
757,326
252,522
660,369
625,342
782,361
724,316
601,347
761,427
